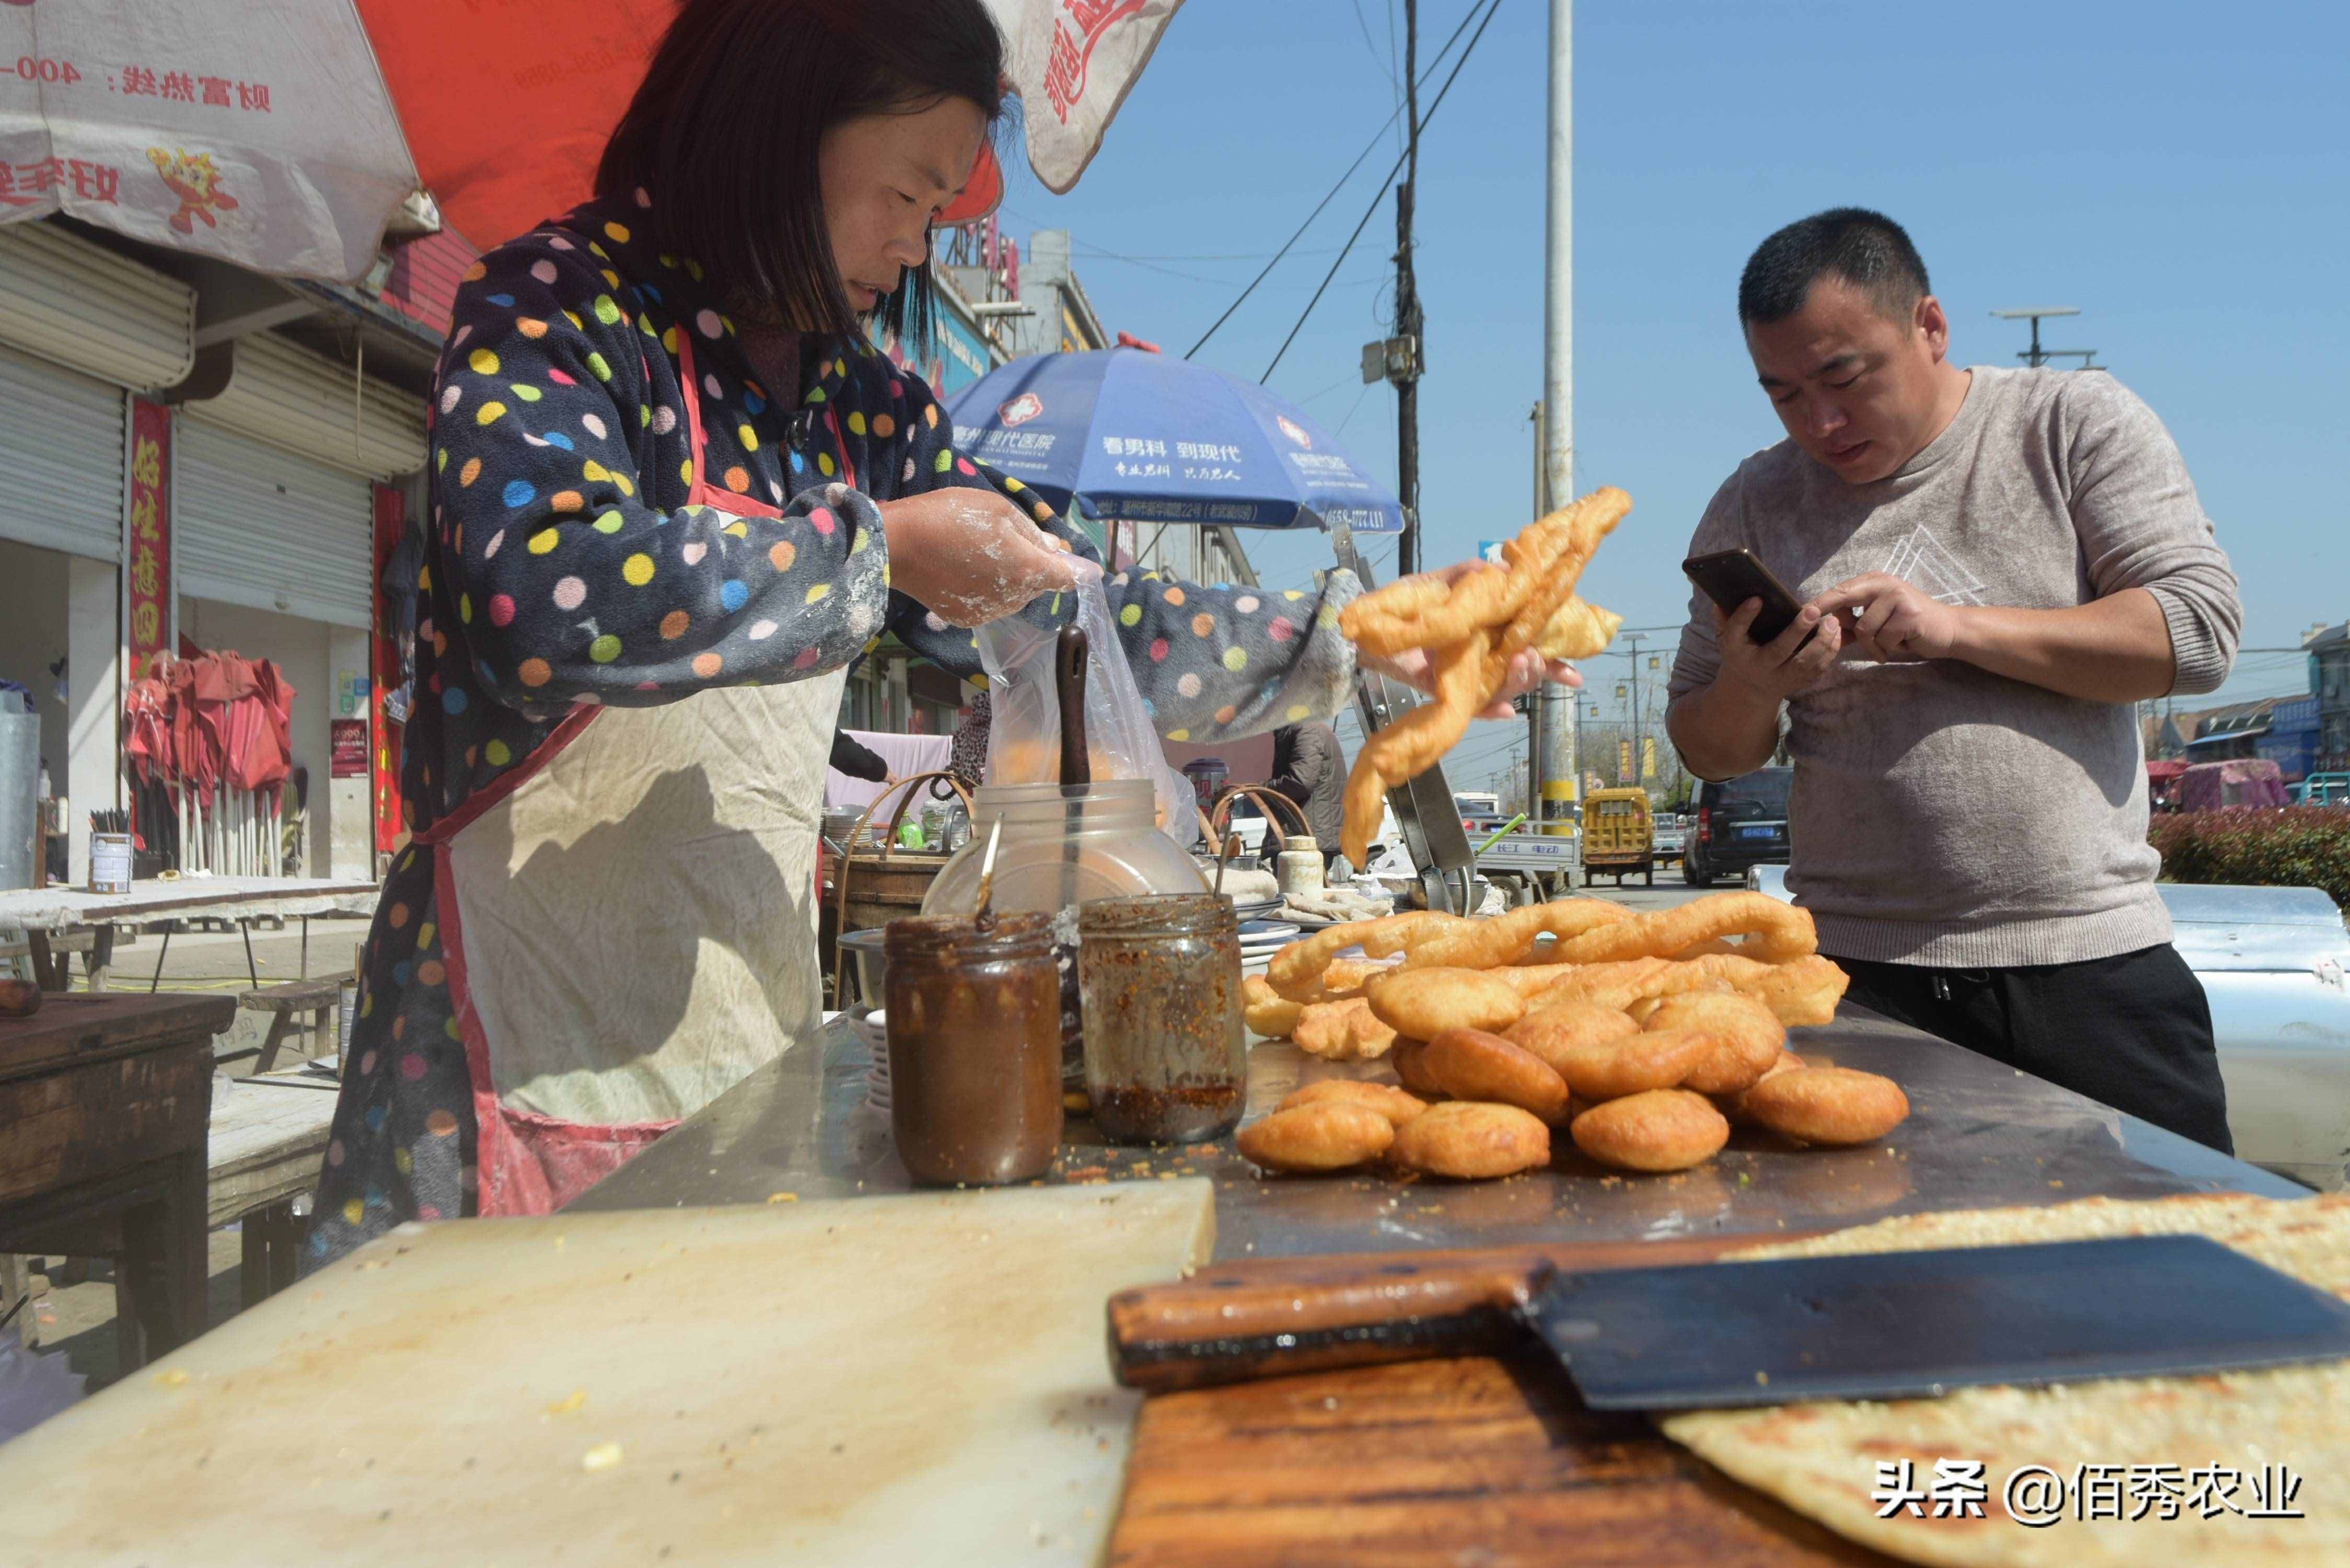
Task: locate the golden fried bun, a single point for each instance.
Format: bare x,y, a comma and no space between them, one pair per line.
1826,1104
1425,1002
1475,1066
1470,1140
1663,1129
1326,1136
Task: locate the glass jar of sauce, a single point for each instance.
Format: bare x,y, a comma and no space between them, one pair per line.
974,1027
1166,1048
1062,845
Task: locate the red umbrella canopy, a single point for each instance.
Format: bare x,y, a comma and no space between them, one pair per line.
284,138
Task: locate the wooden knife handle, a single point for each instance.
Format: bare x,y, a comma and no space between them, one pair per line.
1229,1325
1069,678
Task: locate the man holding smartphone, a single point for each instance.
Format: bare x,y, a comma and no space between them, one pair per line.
1993,567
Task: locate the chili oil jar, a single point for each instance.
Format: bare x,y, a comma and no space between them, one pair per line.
1062,845
1166,1050
974,1024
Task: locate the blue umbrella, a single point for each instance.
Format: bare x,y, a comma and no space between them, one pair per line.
1134,435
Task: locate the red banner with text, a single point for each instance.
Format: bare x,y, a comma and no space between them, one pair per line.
147,552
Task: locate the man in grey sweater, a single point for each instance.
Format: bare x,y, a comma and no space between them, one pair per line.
1998,564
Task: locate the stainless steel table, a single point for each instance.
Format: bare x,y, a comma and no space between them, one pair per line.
1978,1135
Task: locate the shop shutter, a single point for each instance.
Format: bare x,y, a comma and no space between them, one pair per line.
261,527
60,458
75,302
320,410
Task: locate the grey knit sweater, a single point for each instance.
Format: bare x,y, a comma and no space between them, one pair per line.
1943,814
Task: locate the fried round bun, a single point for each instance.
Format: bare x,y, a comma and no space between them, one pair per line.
1826,1104
1390,1102
1475,1066
1472,1140
1662,1129
1324,1136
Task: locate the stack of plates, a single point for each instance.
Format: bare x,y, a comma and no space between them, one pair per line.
1260,939
873,1029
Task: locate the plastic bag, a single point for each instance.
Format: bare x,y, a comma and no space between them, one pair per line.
1024,741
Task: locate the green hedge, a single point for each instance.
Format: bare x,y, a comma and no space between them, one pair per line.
2308,847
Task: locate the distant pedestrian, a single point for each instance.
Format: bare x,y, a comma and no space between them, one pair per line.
1309,768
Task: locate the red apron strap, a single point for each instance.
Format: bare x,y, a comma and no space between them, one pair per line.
703,493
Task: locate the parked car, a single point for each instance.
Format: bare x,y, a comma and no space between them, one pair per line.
2276,967
1742,822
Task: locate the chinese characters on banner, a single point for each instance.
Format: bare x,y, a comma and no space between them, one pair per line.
147,551
1073,62
387,672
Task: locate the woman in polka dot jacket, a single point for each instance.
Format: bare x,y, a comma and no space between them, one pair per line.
667,465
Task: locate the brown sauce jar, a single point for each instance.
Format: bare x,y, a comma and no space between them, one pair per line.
974,1021
1165,1046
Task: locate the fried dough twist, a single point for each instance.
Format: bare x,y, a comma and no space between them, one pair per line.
1471,628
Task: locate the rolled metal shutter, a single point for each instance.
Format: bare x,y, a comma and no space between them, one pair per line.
60,458
261,527
79,304
320,410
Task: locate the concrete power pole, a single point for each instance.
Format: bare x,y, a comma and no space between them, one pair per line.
1560,777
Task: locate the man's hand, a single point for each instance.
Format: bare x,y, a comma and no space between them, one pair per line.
1889,620
1778,669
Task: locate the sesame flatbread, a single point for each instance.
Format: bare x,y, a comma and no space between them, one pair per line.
2189,1464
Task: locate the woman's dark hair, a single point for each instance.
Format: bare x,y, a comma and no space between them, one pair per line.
723,132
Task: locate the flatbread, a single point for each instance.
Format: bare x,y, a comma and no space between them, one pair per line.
1821,1458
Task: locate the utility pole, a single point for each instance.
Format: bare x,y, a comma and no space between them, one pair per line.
1561,748
1534,702
1637,737
1408,317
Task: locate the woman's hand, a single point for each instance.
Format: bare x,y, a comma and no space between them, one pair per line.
1528,669
971,557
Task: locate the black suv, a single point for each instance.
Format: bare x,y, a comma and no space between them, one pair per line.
1739,824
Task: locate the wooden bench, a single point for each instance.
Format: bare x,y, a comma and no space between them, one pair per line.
308,1005
49,956
267,1142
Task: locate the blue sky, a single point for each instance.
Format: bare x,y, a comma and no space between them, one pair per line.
2182,173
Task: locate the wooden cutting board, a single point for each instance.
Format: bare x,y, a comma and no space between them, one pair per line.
1431,1464
890,1380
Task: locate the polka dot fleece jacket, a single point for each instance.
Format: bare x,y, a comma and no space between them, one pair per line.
563,566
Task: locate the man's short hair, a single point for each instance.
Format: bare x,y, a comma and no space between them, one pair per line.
1865,249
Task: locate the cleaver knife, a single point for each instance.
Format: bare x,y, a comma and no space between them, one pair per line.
1885,1326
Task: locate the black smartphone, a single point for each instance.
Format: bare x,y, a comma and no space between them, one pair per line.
1731,578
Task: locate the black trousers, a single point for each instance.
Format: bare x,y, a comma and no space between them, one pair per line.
2132,1031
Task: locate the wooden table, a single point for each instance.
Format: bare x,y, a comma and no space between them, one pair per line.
104,1102
243,900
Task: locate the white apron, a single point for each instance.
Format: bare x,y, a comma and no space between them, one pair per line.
630,917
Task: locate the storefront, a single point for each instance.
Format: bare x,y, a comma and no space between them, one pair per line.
83,330
275,505
155,499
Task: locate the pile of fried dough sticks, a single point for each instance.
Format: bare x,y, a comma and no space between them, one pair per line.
1644,1035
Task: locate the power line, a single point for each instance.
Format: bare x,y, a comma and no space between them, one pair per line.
1388,64
1425,121
1370,147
